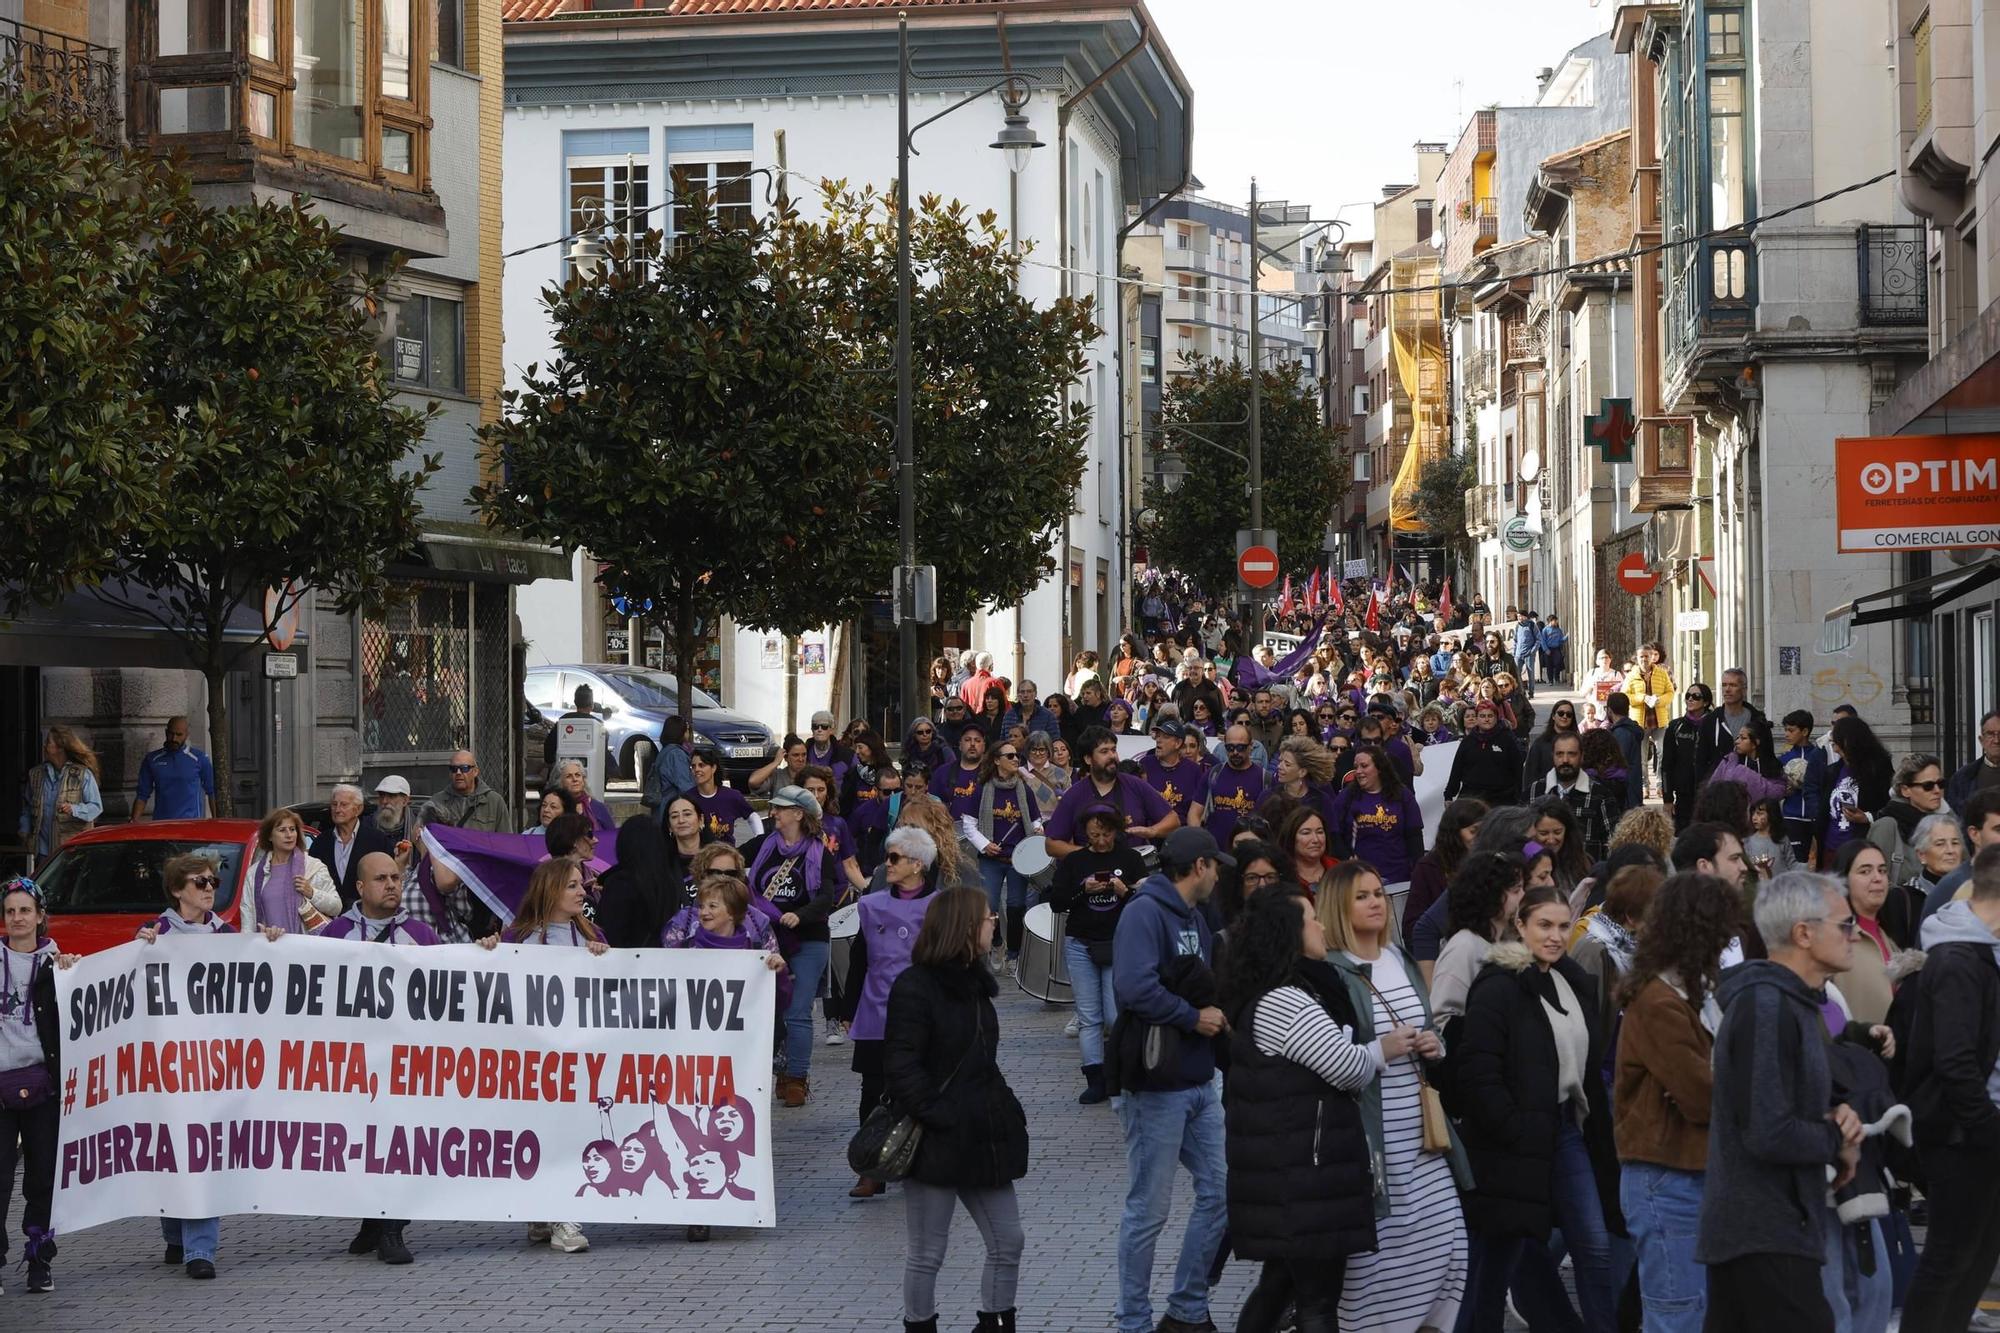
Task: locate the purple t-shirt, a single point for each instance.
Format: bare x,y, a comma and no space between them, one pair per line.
958,787
1232,793
1139,802
1377,827
1178,786
720,812
837,838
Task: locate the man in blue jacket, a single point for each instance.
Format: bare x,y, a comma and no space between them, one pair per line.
1178,1115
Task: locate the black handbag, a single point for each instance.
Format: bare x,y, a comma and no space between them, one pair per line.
885,1147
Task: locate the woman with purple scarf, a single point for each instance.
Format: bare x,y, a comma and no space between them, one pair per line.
890,921
1752,762
796,875
284,887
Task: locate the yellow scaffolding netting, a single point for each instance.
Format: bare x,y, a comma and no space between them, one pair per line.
1416,326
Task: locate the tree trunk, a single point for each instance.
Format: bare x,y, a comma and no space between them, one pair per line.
684,668
218,735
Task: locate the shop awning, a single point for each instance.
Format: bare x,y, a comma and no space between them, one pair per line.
498,559
1905,601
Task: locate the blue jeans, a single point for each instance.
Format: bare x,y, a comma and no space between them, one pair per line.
808,965
1663,1209
198,1237
1493,1259
1860,1304
1096,1005
1005,887
1162,1128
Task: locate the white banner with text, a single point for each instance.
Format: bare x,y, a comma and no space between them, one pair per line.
208,1075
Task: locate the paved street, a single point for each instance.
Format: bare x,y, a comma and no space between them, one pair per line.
831,1264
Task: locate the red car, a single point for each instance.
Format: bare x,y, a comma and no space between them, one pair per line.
104,884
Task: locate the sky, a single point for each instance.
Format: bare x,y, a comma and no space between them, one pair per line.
1321,100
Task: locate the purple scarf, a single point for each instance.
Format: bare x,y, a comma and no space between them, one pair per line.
277,900
704,938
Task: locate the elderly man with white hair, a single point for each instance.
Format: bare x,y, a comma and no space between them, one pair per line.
976,685
347,838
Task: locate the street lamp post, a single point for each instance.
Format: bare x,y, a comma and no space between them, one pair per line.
1016,140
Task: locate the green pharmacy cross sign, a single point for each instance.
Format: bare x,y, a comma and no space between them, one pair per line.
1612,429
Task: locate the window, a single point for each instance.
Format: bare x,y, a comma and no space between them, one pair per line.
610,197
430,344
193,27
129,876
723,185
327,60
1725,34
448,32
396,48
1726,148
199,110
1149,358
264,29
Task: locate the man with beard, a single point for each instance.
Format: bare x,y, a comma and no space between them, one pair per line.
1233,788
1267,723
958,783
352,835
1595,814
1147,817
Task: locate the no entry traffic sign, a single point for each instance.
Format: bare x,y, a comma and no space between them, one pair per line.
1634,577
1257,566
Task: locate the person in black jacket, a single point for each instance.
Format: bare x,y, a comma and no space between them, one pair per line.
1488,762
940,1061
1952,1085
1092,885
645,889
1301,1191
30,1063
1535,1118
1689,749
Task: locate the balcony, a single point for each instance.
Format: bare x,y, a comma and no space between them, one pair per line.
1524,343
1192,309
1489,223
1194,260
1712,295
1665,475
76,80
1481,379
1482,510
1894,293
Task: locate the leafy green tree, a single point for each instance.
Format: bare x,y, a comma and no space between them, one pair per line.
702,433
80,459
294,470
999,452
1440,503
1203,423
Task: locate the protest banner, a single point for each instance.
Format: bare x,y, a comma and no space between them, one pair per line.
208,1075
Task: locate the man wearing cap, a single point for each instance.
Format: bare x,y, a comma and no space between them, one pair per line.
1147,817
1232,789
1160,957
176,781
957,783
1167,771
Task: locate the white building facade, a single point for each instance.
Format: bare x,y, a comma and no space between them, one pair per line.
637,109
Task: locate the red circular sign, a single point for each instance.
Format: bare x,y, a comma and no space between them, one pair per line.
1634,577
1257,566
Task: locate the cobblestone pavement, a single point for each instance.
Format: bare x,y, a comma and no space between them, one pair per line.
831,1265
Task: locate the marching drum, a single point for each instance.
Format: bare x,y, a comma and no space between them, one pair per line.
1041,970
1031,856
842,926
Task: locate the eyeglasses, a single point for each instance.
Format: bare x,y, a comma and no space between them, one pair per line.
893,858
1565,712
1932,785
1237,749
822,726
1259,881
1007,754
922,731
203,882
461,768
1847,925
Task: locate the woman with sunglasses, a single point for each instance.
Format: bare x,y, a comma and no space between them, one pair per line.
826,749
891,921
923,747
1007,813
1919,788
1689,749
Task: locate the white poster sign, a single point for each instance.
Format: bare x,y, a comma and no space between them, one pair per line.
1430,786
207,1075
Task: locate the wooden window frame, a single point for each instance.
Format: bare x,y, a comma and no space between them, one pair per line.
244,74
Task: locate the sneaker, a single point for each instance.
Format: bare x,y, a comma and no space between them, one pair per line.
1983,1321
1070,1028
39,1277
391,1248
568,1238
836,1032
539,1233
200,1269
175,1256
1173,1325
366,1238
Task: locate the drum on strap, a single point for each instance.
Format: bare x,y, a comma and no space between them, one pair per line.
1031,856
841,928
1041,971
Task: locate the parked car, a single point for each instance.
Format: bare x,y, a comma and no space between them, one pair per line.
633,702
104,884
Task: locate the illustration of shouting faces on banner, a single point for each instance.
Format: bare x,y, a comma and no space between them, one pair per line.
701,1158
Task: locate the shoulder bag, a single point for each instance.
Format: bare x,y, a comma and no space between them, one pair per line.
1437,1126
885,1147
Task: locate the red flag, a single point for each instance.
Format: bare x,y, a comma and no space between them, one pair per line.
1285,598
1444,605
1333,593
1312,593
1374,620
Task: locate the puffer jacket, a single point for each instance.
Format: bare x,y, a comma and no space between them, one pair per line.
939,1061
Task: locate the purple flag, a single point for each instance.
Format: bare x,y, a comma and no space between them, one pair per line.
495,866
1249,675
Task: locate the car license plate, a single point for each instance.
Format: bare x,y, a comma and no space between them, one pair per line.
746,752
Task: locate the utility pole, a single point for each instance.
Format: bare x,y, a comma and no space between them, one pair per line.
906,455
1255,635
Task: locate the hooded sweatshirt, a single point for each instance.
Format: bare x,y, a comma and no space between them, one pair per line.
20,1039
1156,927
1954,923
1769,1141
